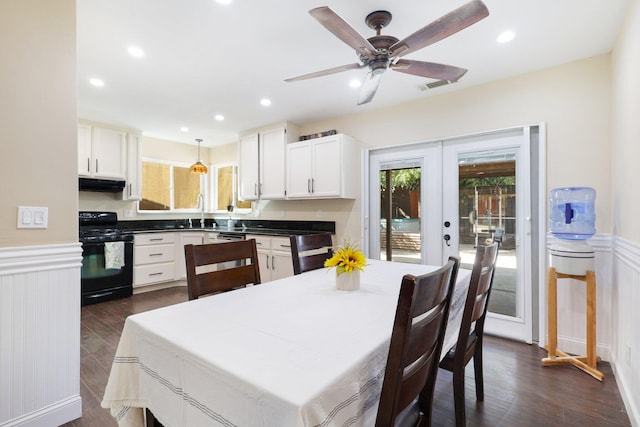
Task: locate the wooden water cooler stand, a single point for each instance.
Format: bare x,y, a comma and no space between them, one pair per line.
557,357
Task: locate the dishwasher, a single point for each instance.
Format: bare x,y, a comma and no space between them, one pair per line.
222,237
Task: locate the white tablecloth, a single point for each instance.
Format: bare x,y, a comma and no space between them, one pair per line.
293,352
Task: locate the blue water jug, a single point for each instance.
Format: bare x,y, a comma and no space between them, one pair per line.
572,213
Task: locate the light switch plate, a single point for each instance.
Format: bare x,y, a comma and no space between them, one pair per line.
33,217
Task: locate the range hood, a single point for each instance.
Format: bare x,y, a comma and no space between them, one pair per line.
102,185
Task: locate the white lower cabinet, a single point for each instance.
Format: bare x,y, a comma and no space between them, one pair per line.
274,255
186,238
153,258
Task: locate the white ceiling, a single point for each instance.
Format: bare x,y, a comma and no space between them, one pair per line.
203,58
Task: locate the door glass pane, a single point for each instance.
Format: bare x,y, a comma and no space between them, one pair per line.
400,231
186,188
155,187
487,205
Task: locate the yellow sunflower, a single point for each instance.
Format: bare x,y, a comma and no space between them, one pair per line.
346,259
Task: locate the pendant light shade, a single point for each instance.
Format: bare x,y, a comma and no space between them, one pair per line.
198,167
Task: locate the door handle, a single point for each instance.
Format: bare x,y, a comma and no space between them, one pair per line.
446,238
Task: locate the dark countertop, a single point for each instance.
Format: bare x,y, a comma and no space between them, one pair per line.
239,226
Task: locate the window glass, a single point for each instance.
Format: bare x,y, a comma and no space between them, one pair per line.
186,188
156,185
225,180
225,187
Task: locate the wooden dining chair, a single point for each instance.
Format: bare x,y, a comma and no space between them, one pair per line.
469,343
416,344
206,275
310,242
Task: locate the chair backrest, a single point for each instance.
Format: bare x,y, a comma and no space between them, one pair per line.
203,280
416,342
310,242
475,308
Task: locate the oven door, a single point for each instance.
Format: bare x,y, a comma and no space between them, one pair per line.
99,283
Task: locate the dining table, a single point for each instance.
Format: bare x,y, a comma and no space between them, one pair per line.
290,352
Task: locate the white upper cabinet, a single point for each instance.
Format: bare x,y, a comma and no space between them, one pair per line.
327,167
248,167
133,189
262,162
101,152
272,162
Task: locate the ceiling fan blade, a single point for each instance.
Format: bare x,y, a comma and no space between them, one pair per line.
429,69
369,87
449,24
342,30
326,72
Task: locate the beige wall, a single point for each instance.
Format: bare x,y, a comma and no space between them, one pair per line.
626,128
573,99
38,142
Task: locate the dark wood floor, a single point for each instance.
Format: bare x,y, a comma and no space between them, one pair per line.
518,391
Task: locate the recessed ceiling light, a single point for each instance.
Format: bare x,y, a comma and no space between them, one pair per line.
219,117
96,82
224,1
265,102
135,51
355,83
184,129
506,37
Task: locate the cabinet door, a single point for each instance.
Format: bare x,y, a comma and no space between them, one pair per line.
188,238
264,264
84,150
248,167
272,164
299,170
281,264
133,190
327,167
108,150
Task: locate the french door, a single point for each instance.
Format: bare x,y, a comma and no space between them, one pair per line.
439,199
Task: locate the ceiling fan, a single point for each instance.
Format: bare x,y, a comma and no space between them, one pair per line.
381,52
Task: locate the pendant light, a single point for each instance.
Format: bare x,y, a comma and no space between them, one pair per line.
198,167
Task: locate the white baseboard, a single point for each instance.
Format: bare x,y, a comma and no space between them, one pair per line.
52,415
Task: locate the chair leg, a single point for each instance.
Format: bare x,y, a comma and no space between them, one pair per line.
458,396
477,367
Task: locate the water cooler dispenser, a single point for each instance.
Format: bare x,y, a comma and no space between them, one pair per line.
572,216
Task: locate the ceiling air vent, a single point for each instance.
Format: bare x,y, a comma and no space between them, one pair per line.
436,84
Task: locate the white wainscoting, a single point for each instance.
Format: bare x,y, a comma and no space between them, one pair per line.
617,312
40,335
625,355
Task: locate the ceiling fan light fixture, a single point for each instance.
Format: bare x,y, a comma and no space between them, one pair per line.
198,168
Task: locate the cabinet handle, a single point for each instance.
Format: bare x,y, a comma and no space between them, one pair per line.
273,262
129,190
88,164
156,274
267,262
313,185
308,185
255,189
285,246
160,254
156,239
96,165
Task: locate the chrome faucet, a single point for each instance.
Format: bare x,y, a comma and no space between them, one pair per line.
201,206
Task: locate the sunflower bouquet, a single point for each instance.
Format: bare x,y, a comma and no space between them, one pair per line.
346,259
